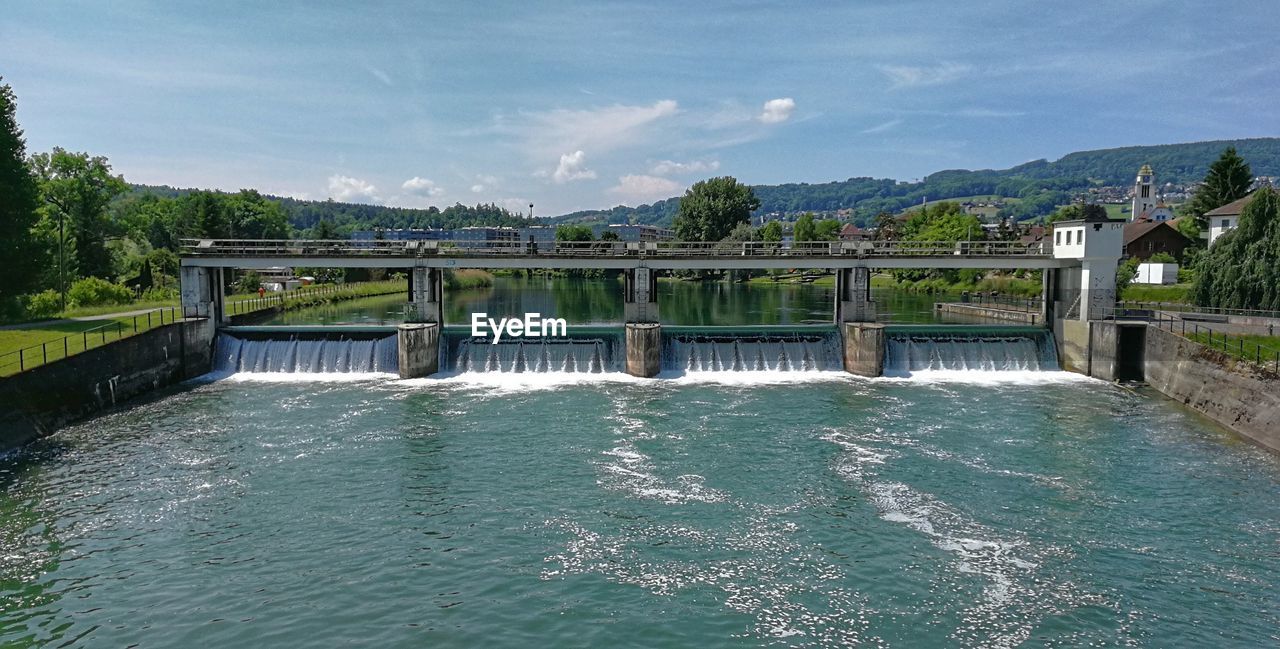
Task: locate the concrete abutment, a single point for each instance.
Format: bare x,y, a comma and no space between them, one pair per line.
644,349
418,349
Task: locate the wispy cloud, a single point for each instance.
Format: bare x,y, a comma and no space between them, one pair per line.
636,188
599,130
881,128
907,76
671,167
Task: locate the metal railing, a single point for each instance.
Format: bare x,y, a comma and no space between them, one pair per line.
1032,304
1180,307
269,300
1232,344
378,248
26,358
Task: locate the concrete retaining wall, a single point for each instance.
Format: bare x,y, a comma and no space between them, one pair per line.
644,349
991,313
1072,337
1104,350
1232,392
418,349
38,402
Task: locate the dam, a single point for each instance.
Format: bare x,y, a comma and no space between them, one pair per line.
746,489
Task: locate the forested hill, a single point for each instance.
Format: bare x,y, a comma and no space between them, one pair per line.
346,217
1041,185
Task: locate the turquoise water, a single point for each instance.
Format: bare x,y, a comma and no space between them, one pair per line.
763,510
584,302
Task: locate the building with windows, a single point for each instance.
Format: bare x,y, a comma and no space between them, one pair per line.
1225,218
1142,239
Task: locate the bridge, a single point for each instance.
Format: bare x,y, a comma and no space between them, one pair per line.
1078,265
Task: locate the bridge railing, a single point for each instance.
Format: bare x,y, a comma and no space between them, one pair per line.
376,248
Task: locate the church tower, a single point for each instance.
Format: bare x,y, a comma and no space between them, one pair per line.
1144,192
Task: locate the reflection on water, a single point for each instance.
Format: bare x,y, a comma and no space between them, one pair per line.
599,301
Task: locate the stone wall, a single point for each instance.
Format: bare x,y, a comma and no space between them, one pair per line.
40,401
1235,393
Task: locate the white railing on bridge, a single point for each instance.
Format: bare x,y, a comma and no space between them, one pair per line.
305,248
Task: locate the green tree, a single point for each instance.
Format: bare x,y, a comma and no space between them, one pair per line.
324,230
712,208
19,204
574,233
771,232
609,235
827,230
254,217
249,282
887,227
77,189
1228,179
1242,268
804,228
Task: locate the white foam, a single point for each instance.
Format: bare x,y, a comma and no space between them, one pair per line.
305,377
987,377
764,377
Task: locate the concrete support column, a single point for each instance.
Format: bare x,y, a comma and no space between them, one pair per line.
641,298
418,349
1097,288
864,348
853,296
426,294
202,293
644,349
1048,293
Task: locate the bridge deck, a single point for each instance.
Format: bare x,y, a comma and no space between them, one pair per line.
617,254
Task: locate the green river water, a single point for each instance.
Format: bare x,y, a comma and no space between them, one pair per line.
718,509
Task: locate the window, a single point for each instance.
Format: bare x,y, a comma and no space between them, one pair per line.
1151,246
1146,191
1226,223
1057,238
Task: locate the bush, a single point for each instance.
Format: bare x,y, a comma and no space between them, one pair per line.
1162,258
44,304
95,291
249,282
158,294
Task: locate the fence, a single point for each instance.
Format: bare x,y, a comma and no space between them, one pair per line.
1032,304
1235,345
249,305
1179,307
26,358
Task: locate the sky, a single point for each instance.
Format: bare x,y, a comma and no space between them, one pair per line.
587,105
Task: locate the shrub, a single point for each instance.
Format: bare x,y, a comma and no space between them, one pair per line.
44,304
95,291
249,282
158,294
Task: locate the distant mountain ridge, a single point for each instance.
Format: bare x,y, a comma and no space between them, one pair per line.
1041,185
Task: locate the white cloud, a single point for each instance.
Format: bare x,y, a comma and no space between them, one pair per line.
477,188
352,190
517,205
881,128
598,130
670,167
645,189
778,110
905,76
422,187
573,166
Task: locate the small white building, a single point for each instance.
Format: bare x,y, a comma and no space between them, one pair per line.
1156,274
1225,218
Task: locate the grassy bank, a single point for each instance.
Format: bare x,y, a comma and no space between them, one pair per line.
1249,350
1151,293
27,347
467,278
315,295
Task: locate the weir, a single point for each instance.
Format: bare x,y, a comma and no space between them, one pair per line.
304,353
761,349
586,350
964,348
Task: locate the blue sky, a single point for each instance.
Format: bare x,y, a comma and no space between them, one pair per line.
575,105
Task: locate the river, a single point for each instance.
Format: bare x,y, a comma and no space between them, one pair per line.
713,509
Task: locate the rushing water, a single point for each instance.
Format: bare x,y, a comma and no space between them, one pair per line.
715,510
585,302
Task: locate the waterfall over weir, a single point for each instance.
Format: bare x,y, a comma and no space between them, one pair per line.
756,350
971,349
300,355
588,350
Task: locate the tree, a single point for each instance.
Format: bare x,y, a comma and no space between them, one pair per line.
827,230
771,232
1228,179
77,189
804,229
887,227
1242,268
573,233
254,217
249,282
19,205
712,208
324,230
609,235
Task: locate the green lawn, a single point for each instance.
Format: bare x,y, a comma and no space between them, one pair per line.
92,333
1263,349
1153,293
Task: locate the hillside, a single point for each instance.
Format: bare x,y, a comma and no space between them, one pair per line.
1042,185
